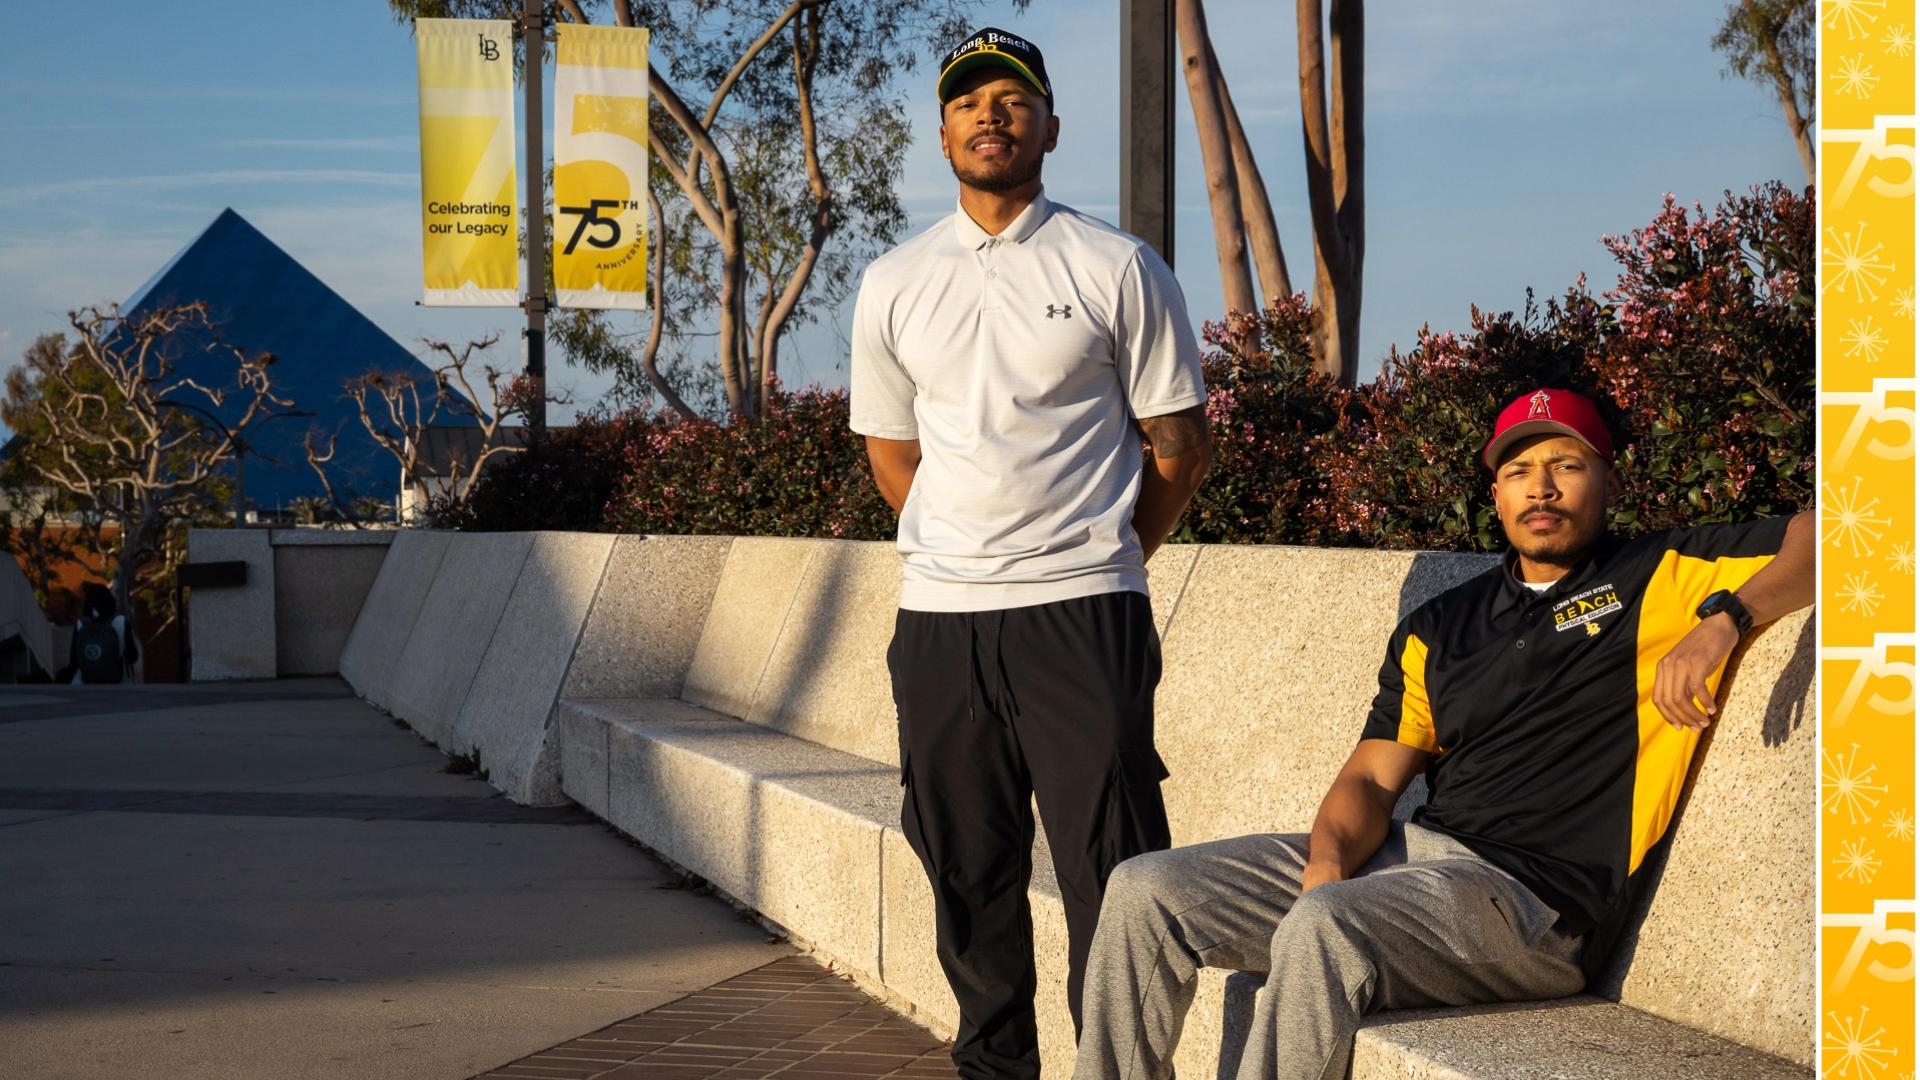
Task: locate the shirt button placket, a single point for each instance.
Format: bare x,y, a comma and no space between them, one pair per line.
988,273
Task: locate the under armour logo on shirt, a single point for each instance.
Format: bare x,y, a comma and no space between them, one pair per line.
1065,311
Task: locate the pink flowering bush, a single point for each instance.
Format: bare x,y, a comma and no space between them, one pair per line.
1701,360
798,472
1272,416
1709,356
563,483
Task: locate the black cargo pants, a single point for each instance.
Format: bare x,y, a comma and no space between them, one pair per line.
1052,703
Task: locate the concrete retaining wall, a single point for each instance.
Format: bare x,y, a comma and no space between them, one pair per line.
386,619
472,637
507,708
559,659
640,643
321,580
304,591
230,628
450,635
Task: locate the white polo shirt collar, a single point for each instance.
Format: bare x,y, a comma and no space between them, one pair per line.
973,237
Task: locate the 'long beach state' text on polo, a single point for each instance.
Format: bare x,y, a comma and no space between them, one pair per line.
1020,362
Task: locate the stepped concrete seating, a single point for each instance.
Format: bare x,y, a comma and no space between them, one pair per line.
726,702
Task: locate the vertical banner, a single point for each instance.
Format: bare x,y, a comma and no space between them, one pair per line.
600,167
1866,597
469,227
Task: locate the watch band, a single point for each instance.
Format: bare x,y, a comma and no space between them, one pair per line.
1725,601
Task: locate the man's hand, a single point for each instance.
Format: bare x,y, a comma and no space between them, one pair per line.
1785,584
1358,810
1680,689
1319,873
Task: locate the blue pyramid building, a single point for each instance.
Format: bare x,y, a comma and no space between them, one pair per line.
263,300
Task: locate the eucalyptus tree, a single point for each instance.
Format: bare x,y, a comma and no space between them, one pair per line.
777,133
1332,121
1772,43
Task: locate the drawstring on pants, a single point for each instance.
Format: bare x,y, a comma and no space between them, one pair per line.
999,697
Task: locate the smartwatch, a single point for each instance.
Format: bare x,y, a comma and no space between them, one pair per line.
1725,601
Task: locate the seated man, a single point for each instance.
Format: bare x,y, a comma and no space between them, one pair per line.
1554,703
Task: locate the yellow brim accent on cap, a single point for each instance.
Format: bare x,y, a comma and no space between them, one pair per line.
955,69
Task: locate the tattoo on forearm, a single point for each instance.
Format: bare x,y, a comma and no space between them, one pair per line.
1176,434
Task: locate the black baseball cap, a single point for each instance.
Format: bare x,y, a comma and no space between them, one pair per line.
993,47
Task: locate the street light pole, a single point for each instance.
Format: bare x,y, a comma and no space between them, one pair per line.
1146,122
533,41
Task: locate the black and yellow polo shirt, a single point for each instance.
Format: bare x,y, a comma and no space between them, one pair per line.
1550,759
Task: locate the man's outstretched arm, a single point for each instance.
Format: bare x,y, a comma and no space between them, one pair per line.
894,462
1783,585
1182,453
1354,817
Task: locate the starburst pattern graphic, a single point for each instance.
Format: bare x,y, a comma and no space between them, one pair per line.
1857,861
1852,265
1902,558
1903,302
1849,785
1855,76
1900,825
1899,40
1851,520
1855,15
1864,339
1862,595
1849,1051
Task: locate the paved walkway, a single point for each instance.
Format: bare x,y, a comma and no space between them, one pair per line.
275,880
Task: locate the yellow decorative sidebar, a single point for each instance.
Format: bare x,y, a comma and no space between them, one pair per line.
1866,814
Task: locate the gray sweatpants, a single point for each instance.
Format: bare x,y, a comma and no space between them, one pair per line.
1424,922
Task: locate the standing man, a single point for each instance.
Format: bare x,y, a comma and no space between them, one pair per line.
1554,703
1006,365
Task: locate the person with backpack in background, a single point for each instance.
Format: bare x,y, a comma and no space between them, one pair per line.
104,649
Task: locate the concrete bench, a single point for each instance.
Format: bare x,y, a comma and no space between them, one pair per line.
726,703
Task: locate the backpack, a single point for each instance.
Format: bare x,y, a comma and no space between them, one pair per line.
97,649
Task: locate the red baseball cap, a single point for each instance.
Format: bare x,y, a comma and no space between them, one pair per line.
1561,412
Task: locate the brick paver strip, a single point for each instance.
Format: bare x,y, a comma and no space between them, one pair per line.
791,1019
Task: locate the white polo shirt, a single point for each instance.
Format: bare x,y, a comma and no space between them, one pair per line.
1020,362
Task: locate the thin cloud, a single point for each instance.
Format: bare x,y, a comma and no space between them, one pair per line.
331,95
31,192
364,142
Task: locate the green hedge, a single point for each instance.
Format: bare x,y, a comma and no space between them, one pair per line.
1701,358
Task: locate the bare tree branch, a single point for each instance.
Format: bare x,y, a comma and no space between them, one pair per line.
115,426
650,353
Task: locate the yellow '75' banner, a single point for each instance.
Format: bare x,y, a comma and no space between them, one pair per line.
1867,438
600,167
470,235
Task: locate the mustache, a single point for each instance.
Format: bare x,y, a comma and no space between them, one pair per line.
1541,508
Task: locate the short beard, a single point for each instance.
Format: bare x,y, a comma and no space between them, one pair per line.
1001,182
1563,551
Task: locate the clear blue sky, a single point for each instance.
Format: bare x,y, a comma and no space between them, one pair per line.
1504,137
